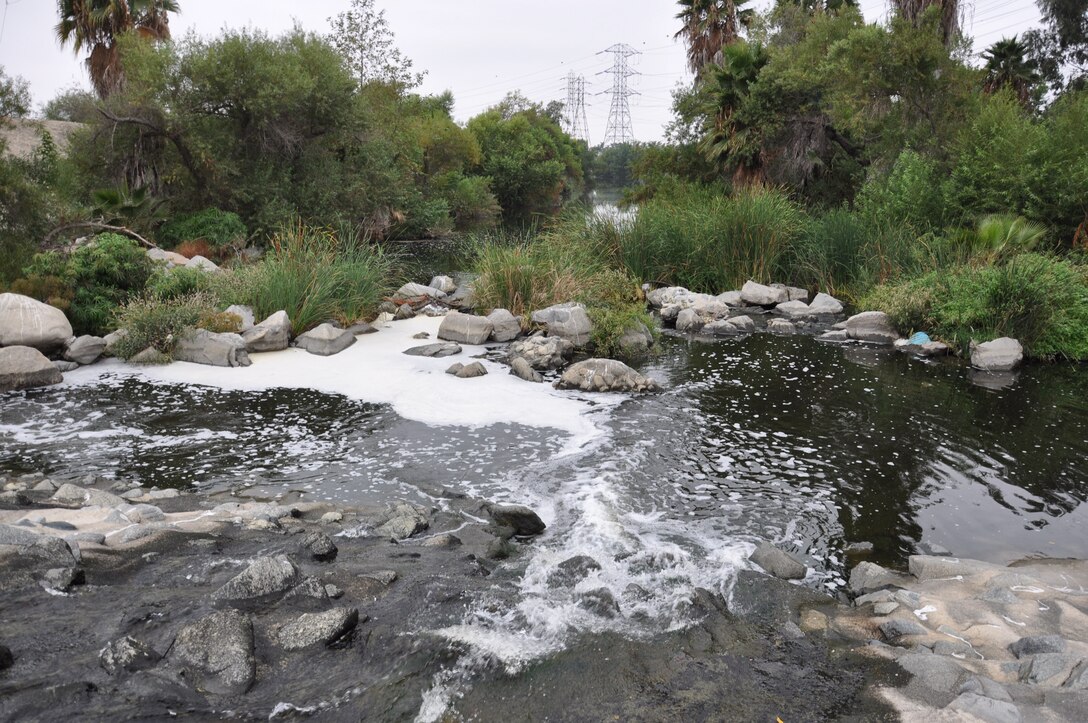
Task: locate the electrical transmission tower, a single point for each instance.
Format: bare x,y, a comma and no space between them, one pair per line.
619,117
575,111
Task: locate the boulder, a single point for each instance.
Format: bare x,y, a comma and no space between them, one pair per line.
272,334
873,327
200,346
319,546
216,653
778,562
506,326
605,375
977,707
437,351
325,340
999,355
825,305
793,309
112,338
464,297
244,313
403,521
781,327
523,370
24,367
710,308
543,353
416,292
84,349
265,577
468,371
868,576
666,296
29,322
445,284
324,628
127,655
1036,644
636,339
794,293
759,295
404,312
465,328
689,321
568,321
731,298
520,518
730,327
199,262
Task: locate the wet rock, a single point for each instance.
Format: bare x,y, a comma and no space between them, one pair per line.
6,658
361,328
523,520
778,562
689,321
63,579
825,305
245,316
127,655
325,340
500,549
572,571
265,577
868,576
26,322
600,601
928,567
730,327
324,628
200,346
781,327
308,587
999,355
467,371
605,375
216,653
568,321
543,353
836,336
437,351
1048,668
636,339
506,326
333,592
332,518
84,349
403,522
1036,644
859,548
445,284
893,630
272,334
319,546
465,328
443,540
415,292
793,309
70,495
873,327
523,370
23,367
142,513
760,295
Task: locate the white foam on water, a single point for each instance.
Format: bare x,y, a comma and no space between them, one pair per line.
376,370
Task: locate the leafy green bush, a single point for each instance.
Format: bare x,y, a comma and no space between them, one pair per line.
1040,300
909,194
180,281
150,321
697,238
218,228
314,275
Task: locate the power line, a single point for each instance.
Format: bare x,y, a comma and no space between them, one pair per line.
574,115
619,116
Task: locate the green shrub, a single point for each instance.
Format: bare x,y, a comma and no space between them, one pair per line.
180,281
218,228
150,321
830,254
909,194
697,238
314,275
1040,300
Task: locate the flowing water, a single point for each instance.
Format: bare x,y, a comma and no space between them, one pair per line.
811,446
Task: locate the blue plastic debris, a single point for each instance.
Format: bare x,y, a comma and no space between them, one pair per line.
919,338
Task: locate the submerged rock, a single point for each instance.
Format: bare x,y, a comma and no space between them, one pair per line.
127,655
605,375
778,562
23,367
520,518
436,351
324,628
465,328
272,334
999,355
28,322
325,340
216,653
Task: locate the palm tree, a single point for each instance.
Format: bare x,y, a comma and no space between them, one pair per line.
97,24
914,10
728,140
708,26
1007,64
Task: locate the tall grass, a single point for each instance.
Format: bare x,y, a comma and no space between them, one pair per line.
315,274
698,238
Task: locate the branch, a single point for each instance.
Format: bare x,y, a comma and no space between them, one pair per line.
99,227
183,150
852,150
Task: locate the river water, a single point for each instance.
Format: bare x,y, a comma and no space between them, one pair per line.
809,445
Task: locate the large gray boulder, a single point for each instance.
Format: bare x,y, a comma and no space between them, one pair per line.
325,340
825,305
244,313
23,367
605,375
507,327
759,295
216,653
417,292
84,349
465,328
272,334
265,577
793,309
999,355
568,321
543,353
200,346
778,562
689,321
29,322
873,327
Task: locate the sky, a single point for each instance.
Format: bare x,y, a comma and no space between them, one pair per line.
479,49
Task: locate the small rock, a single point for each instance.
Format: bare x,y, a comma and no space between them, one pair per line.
325,340
500,549
445,284
813,621
885,608
65,366
568,321
524,521
572,571
404,521
332,518
320,546
522,369
324,628
599,601
782,327
837,336
543,353
272,334
893,630
149,356
127,655
443,540
859,548
333,592
689,321
471,371
439,350
868,576
265,576
421,335
244,314
778,562
200,346
415,292
63,579
404,312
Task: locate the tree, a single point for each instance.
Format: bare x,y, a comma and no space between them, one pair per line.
1007,65
362,36
14,96
73,104
708,26
914,11
1060,49
96,25
726,87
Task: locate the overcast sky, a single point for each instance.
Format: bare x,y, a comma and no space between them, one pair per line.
479,49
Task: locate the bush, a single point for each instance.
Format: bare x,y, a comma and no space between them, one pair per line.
697,238
909,194
314,275
175,283
1040,300
219,228
158,323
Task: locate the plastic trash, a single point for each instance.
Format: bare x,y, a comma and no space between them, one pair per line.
919,338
